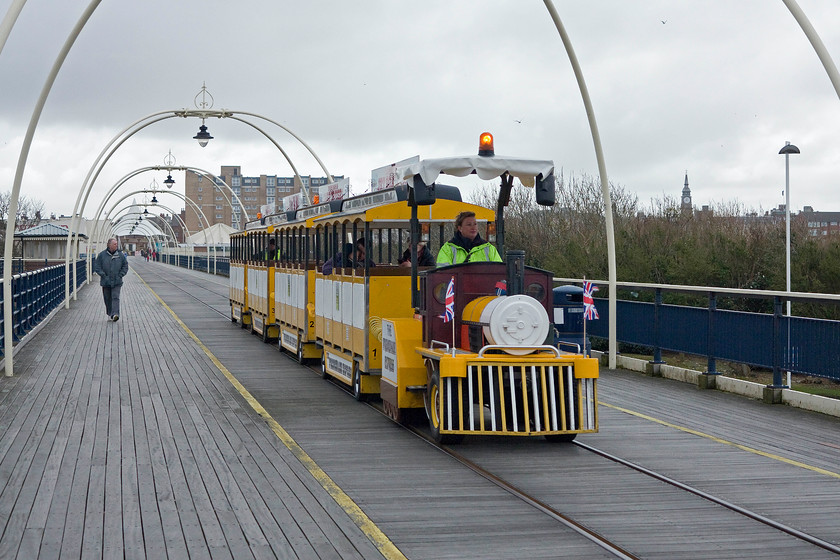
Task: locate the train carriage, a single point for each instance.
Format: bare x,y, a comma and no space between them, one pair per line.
295,276
351,301
271,273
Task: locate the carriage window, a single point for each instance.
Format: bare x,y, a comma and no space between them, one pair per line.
536,291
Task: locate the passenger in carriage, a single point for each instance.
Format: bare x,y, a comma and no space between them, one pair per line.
424,256
346,257
269,254
467,245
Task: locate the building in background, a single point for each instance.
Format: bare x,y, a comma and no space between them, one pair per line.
254,192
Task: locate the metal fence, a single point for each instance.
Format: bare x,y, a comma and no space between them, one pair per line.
774,341
210,265
34,295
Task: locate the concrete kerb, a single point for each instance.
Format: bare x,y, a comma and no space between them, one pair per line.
748,389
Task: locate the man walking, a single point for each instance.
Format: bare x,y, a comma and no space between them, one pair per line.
111,265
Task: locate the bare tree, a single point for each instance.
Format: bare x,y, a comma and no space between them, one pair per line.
28,214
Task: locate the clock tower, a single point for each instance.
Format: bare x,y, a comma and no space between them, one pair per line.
685,201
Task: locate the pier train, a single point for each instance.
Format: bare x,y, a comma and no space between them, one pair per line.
378,327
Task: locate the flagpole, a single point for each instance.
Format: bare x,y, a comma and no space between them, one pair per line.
584,321
453,316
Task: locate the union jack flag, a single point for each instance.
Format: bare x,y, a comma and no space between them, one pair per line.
449,312
501,288
589,310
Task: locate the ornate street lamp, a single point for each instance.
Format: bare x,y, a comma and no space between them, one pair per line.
203,136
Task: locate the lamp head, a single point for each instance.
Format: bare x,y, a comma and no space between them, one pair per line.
789,149
203,136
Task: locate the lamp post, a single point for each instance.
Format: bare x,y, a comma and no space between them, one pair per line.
787,150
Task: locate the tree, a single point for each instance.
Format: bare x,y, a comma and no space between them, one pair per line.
28,214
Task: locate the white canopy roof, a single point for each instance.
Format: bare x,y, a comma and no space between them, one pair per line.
486,167
217,234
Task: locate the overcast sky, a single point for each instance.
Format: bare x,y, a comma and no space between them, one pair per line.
712,87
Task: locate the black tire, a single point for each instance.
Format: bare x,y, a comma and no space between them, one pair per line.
324,374
432,399
357,387
560,438
299,356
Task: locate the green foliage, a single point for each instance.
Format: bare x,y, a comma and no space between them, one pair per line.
723,247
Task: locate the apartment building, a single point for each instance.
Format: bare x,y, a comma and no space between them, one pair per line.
218,206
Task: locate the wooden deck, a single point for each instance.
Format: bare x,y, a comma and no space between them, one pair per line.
124,440
148,438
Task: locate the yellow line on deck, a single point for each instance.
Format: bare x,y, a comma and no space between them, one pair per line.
723,441
368,527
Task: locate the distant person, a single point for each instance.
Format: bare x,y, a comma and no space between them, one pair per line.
467,245
111,265
347,256
424,256
270,253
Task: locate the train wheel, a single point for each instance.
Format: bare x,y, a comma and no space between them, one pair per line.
432,402
324,373
300,357
560,438
357,387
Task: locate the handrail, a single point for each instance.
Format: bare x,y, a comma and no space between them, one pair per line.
538,348
804,296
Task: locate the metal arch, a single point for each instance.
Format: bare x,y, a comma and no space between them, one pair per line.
125,178
91,177
171,231
602,170
816,43
184,197
13,199
9,21
174,236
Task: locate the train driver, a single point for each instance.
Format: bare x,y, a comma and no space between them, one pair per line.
347,257
467,245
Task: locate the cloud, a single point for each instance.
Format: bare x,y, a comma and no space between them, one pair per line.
716,90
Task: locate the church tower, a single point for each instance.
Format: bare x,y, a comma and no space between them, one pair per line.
685,202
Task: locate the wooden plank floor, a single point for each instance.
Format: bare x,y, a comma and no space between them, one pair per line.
431,508
124,440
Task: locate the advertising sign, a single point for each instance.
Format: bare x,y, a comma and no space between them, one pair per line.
386,177
334,191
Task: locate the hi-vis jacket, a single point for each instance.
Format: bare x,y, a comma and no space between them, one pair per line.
451,253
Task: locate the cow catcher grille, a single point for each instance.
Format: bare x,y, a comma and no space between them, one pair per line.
517,399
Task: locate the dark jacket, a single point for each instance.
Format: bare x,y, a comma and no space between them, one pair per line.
343,259
111,267
424,258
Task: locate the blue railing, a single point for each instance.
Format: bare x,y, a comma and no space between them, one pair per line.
34,295
775,341
221,266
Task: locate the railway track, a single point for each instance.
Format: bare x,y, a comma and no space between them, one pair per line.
565,519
